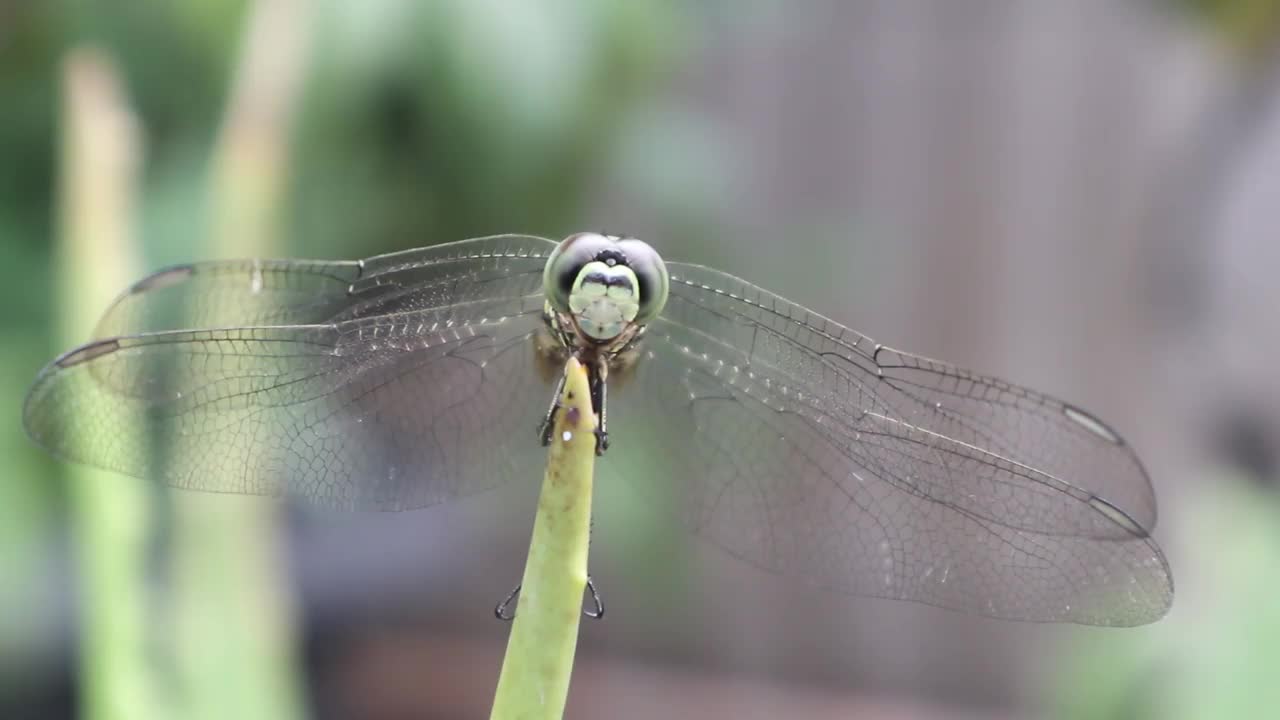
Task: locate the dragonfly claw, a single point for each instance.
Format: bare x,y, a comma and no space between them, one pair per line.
598,612
500,611
506,612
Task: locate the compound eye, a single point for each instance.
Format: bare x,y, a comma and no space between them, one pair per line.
566,263
651,275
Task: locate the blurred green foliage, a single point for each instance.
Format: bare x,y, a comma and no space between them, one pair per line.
1215,655
482,117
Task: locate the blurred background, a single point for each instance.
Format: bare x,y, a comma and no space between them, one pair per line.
1081,197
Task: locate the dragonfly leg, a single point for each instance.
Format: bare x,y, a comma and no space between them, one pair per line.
548,421
500,611
506,611
599,398
598,612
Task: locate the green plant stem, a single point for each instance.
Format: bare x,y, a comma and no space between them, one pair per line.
96,256
234,631
535,672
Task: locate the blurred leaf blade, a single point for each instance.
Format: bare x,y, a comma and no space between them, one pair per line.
100,162
234,625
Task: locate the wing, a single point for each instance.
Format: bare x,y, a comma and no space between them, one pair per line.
423,385
804,448
240,293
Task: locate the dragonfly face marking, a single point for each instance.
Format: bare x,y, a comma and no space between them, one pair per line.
605,300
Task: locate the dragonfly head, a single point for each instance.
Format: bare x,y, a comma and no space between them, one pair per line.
605,283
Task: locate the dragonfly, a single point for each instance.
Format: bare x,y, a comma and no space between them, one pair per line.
785,438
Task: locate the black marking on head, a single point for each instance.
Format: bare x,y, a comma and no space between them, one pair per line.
608,281
612,256
567,278
644,287
85,353
162,279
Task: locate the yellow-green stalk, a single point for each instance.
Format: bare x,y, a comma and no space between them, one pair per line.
535,672
96,256
233,616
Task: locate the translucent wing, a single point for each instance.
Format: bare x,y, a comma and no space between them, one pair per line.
799,446
420,385
243,293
